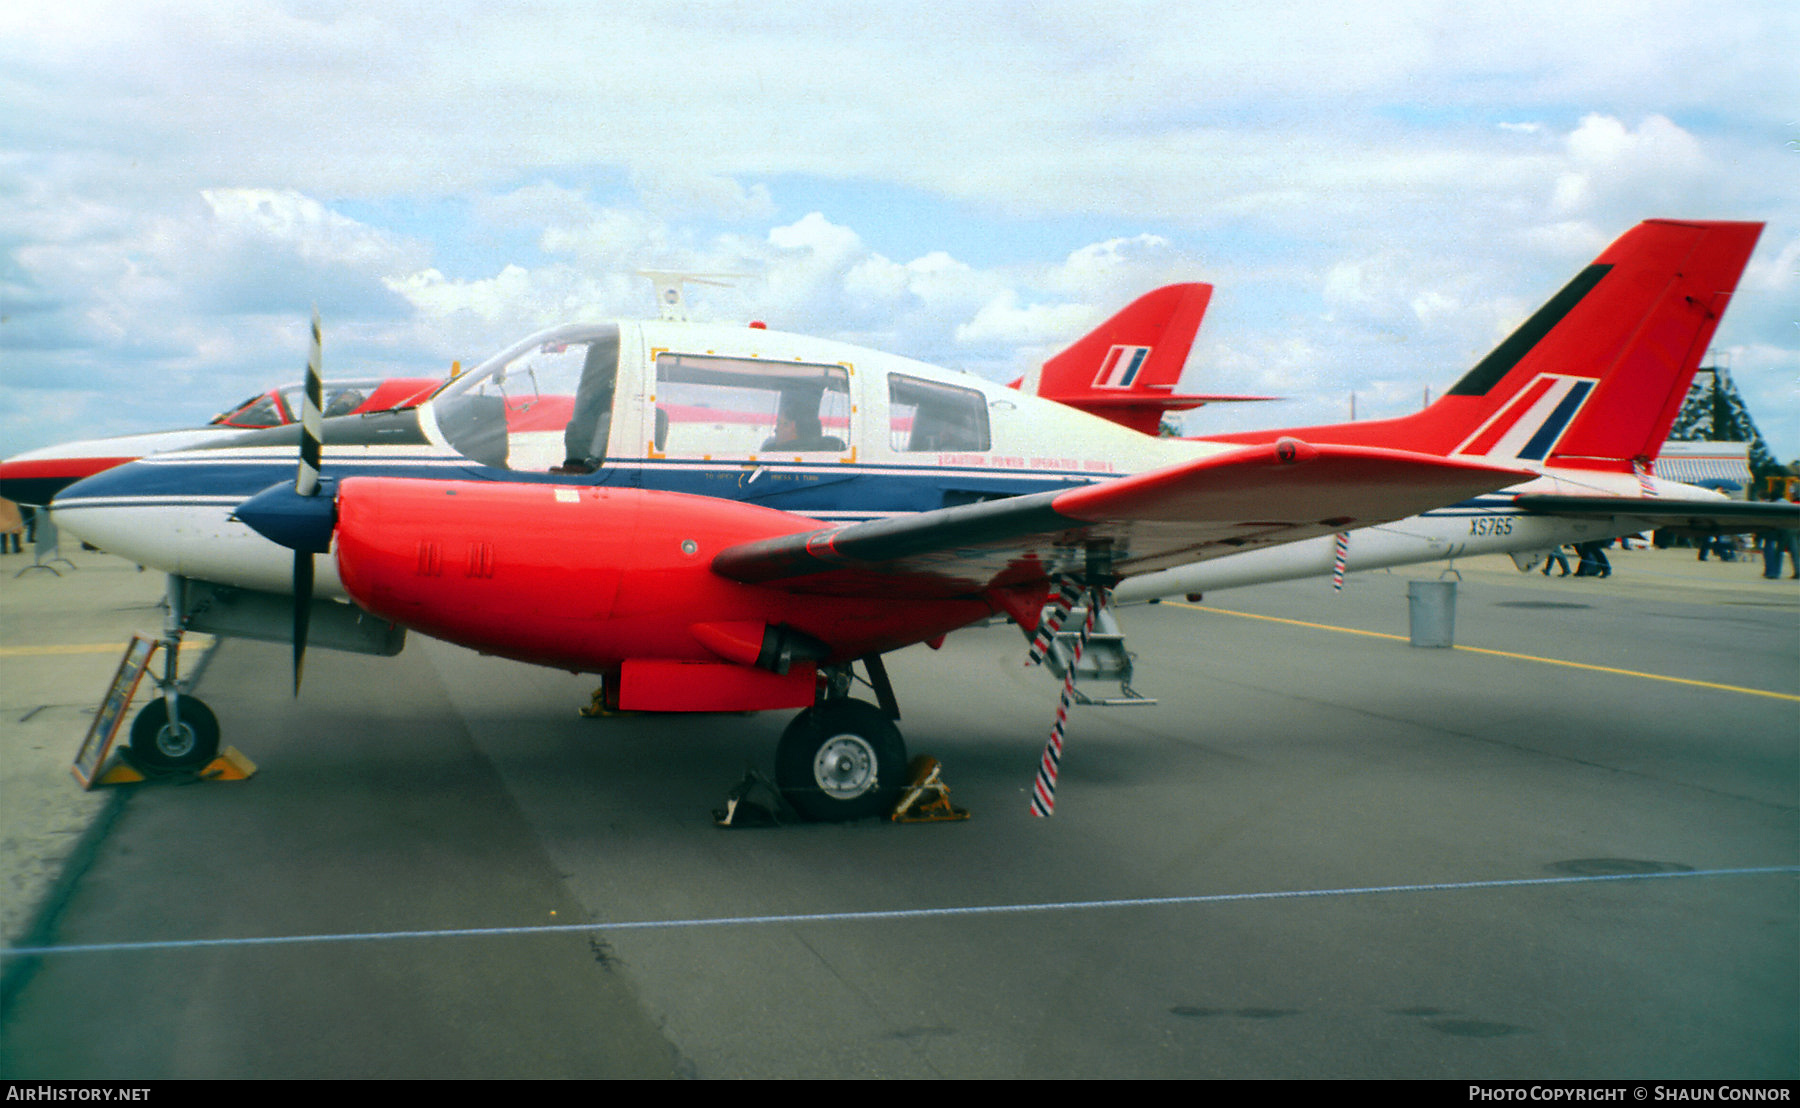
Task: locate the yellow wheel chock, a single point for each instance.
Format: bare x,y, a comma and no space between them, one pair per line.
596,707
230,765
603,705
926,799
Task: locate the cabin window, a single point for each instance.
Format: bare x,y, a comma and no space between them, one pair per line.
930,416
715,407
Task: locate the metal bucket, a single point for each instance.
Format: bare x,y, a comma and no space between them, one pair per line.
1432,608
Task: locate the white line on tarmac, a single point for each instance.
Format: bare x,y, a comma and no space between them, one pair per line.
863,917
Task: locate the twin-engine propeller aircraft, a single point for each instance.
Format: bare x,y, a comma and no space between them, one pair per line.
36,476
720,518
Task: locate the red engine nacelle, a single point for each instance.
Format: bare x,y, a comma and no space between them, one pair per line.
615,581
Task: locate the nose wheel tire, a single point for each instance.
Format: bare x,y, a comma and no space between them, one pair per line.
841,760
189,744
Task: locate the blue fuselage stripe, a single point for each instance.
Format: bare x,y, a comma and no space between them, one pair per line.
846,491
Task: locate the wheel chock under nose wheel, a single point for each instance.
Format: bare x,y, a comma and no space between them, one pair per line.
120,772
230,764
754,802
175,736
926,798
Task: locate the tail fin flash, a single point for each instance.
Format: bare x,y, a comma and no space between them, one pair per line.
1596,376
1126,369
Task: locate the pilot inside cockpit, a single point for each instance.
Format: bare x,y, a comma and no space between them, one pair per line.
345,402
798,427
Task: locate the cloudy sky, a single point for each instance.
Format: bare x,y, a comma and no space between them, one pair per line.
1379,191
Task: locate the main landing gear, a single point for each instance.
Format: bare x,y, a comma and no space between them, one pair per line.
844,759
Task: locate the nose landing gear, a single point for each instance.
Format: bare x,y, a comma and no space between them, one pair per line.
187,741
174,731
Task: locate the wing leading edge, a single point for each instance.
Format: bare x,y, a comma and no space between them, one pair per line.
1257,496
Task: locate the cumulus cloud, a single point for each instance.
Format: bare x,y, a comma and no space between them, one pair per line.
285,220
812,274
1117,264
670,192
606,238
1613,166
1004,321
542,204
187,279
824,243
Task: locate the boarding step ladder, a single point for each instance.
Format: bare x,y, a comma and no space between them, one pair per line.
1104,659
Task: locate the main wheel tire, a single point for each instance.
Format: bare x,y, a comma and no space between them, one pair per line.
189,745
841,760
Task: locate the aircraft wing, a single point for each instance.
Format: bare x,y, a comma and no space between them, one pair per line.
1701,515
1205,508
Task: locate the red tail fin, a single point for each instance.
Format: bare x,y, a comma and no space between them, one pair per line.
1126,369
1596,376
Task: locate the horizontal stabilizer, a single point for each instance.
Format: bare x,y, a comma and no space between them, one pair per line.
1701,515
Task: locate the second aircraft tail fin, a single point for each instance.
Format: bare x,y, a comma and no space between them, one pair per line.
1126,369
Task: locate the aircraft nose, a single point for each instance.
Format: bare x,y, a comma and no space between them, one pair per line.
100,510
283,516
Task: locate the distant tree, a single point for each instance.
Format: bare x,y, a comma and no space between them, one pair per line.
1714,412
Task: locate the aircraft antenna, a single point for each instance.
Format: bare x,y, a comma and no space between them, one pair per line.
669,296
